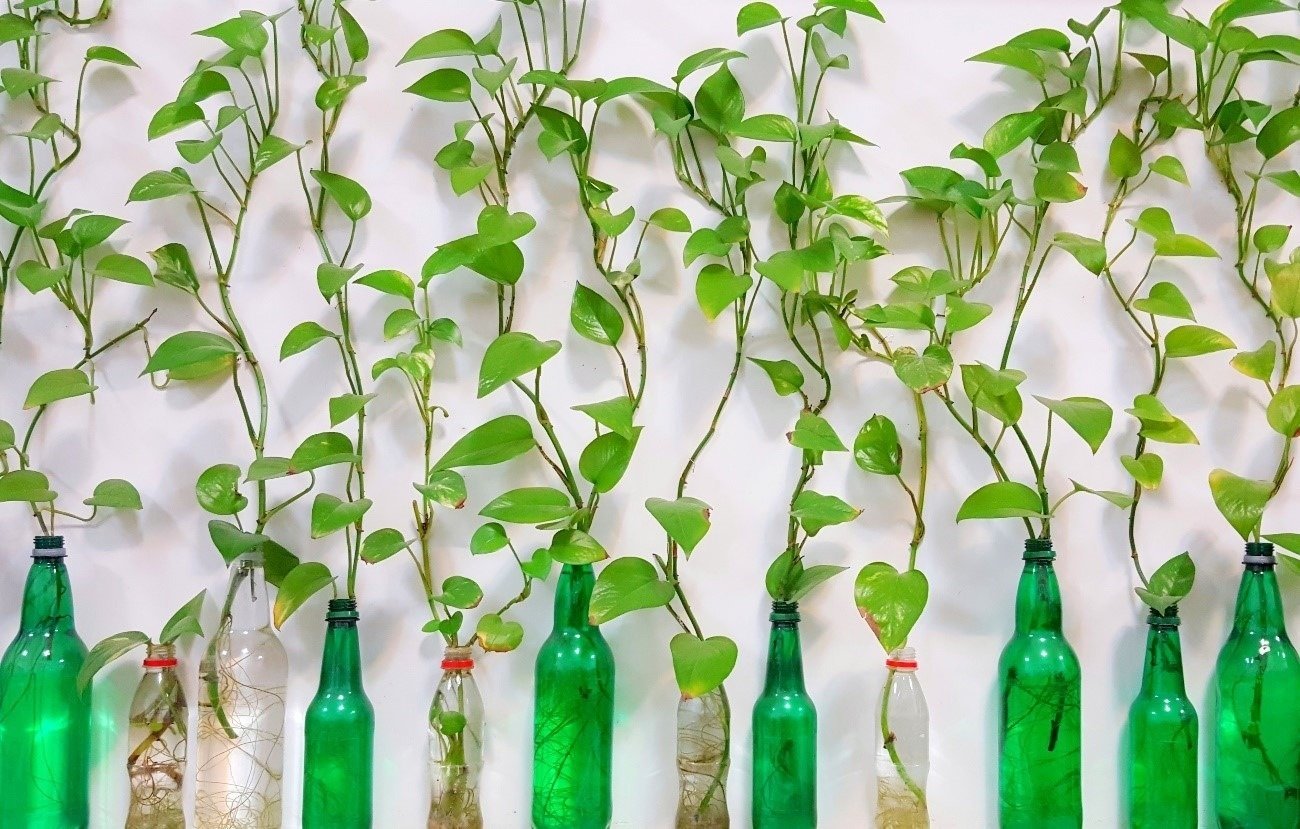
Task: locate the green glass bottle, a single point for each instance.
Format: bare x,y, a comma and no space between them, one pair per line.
785,733
1257,685
1162,738
573,714
44,718
1039,729
338,775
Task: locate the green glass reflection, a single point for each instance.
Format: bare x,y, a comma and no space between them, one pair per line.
1039,774
44,719
1257,732
785,733
339,754
1162,723
573,714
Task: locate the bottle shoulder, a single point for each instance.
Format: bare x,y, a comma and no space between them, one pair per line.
1274,655
576,641
50,648
331,704
784,704
1037,652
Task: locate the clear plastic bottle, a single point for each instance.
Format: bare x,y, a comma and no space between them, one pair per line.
703,760
241,710
156,763
456,745
903,747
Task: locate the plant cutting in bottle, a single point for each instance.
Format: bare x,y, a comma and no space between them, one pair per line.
339,733
1247,141
810,275
335,43
574,703
64,256
701,132
159,720
974,216
1162,779
892,602
52,133
231,103
44,713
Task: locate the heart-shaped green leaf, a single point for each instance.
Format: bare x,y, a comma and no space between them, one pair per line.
627,584
702,665
891,602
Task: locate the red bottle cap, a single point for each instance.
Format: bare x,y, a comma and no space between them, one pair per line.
458,664
160,663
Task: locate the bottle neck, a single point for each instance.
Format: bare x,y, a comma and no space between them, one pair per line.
1259,603
1163,672
458,662
47,598
160,659
250,605
784,652
573,596
1038,599
340,667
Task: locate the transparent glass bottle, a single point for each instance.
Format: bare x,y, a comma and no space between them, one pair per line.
1162,776
903,747
1040,728
456,745
338,767
242,681
44,718
703,760
573,714
157,740
785,733
1257,684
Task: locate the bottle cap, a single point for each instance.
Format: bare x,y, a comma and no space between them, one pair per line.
342,610
48,546
1168,619
785,612
903,659
1259,553
1039,549
160,656
458,659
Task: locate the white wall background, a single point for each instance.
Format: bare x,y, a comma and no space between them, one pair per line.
911,93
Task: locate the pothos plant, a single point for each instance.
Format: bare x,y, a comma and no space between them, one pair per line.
159,718
705,134
335,43
231,102
52,132
66,256
480,161
1133,162
186,621
974,215
1246,140
506,94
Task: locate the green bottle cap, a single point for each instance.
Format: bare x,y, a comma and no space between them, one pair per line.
342,610
1168,619
48,546
785,612
1259,553
1039,549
